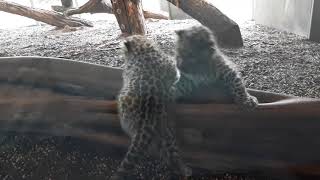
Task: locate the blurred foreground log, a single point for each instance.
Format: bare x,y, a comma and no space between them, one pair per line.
226,30
48,17
68,98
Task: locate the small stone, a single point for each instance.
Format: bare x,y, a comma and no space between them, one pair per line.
123,27
119,11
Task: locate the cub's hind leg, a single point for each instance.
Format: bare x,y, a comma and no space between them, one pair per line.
170,154
137,150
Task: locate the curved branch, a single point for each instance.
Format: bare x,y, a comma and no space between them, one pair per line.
99,6
227,31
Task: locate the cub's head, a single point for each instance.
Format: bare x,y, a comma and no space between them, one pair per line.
143,54
195,46
138,46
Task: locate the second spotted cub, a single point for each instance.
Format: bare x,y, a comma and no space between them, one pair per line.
201,63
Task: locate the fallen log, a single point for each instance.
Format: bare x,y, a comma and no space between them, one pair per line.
43,104
218,141
48,17
226,30
224,137
84,79
56,96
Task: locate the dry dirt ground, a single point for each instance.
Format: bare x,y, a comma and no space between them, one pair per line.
270,60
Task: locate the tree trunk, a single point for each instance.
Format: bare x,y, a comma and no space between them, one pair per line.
37,95
129,15
227,31
49,17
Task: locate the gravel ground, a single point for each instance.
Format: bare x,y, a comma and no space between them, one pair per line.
270,60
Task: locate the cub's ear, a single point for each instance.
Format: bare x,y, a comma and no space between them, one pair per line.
180,32
127,45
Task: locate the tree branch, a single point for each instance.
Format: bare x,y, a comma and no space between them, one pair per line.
227,31
48,17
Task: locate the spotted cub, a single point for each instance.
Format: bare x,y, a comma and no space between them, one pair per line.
201,63
148,78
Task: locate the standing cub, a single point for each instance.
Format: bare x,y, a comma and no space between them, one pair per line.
148,79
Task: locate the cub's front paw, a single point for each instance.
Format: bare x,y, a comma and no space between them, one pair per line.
120,176
187,171
115,177
250,103
183,170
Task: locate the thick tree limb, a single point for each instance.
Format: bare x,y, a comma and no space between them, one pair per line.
227,31
148,14
283,133
48,17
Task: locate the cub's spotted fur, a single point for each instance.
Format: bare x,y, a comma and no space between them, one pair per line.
201,63
149,76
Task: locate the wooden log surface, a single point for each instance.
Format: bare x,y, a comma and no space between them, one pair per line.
85,79
227,31
56,96
48,17
62,75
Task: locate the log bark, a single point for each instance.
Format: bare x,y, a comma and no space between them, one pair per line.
148,14
48,17
129,15
227,31
38,96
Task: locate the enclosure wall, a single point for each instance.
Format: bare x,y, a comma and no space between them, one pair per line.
315,23
289,15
